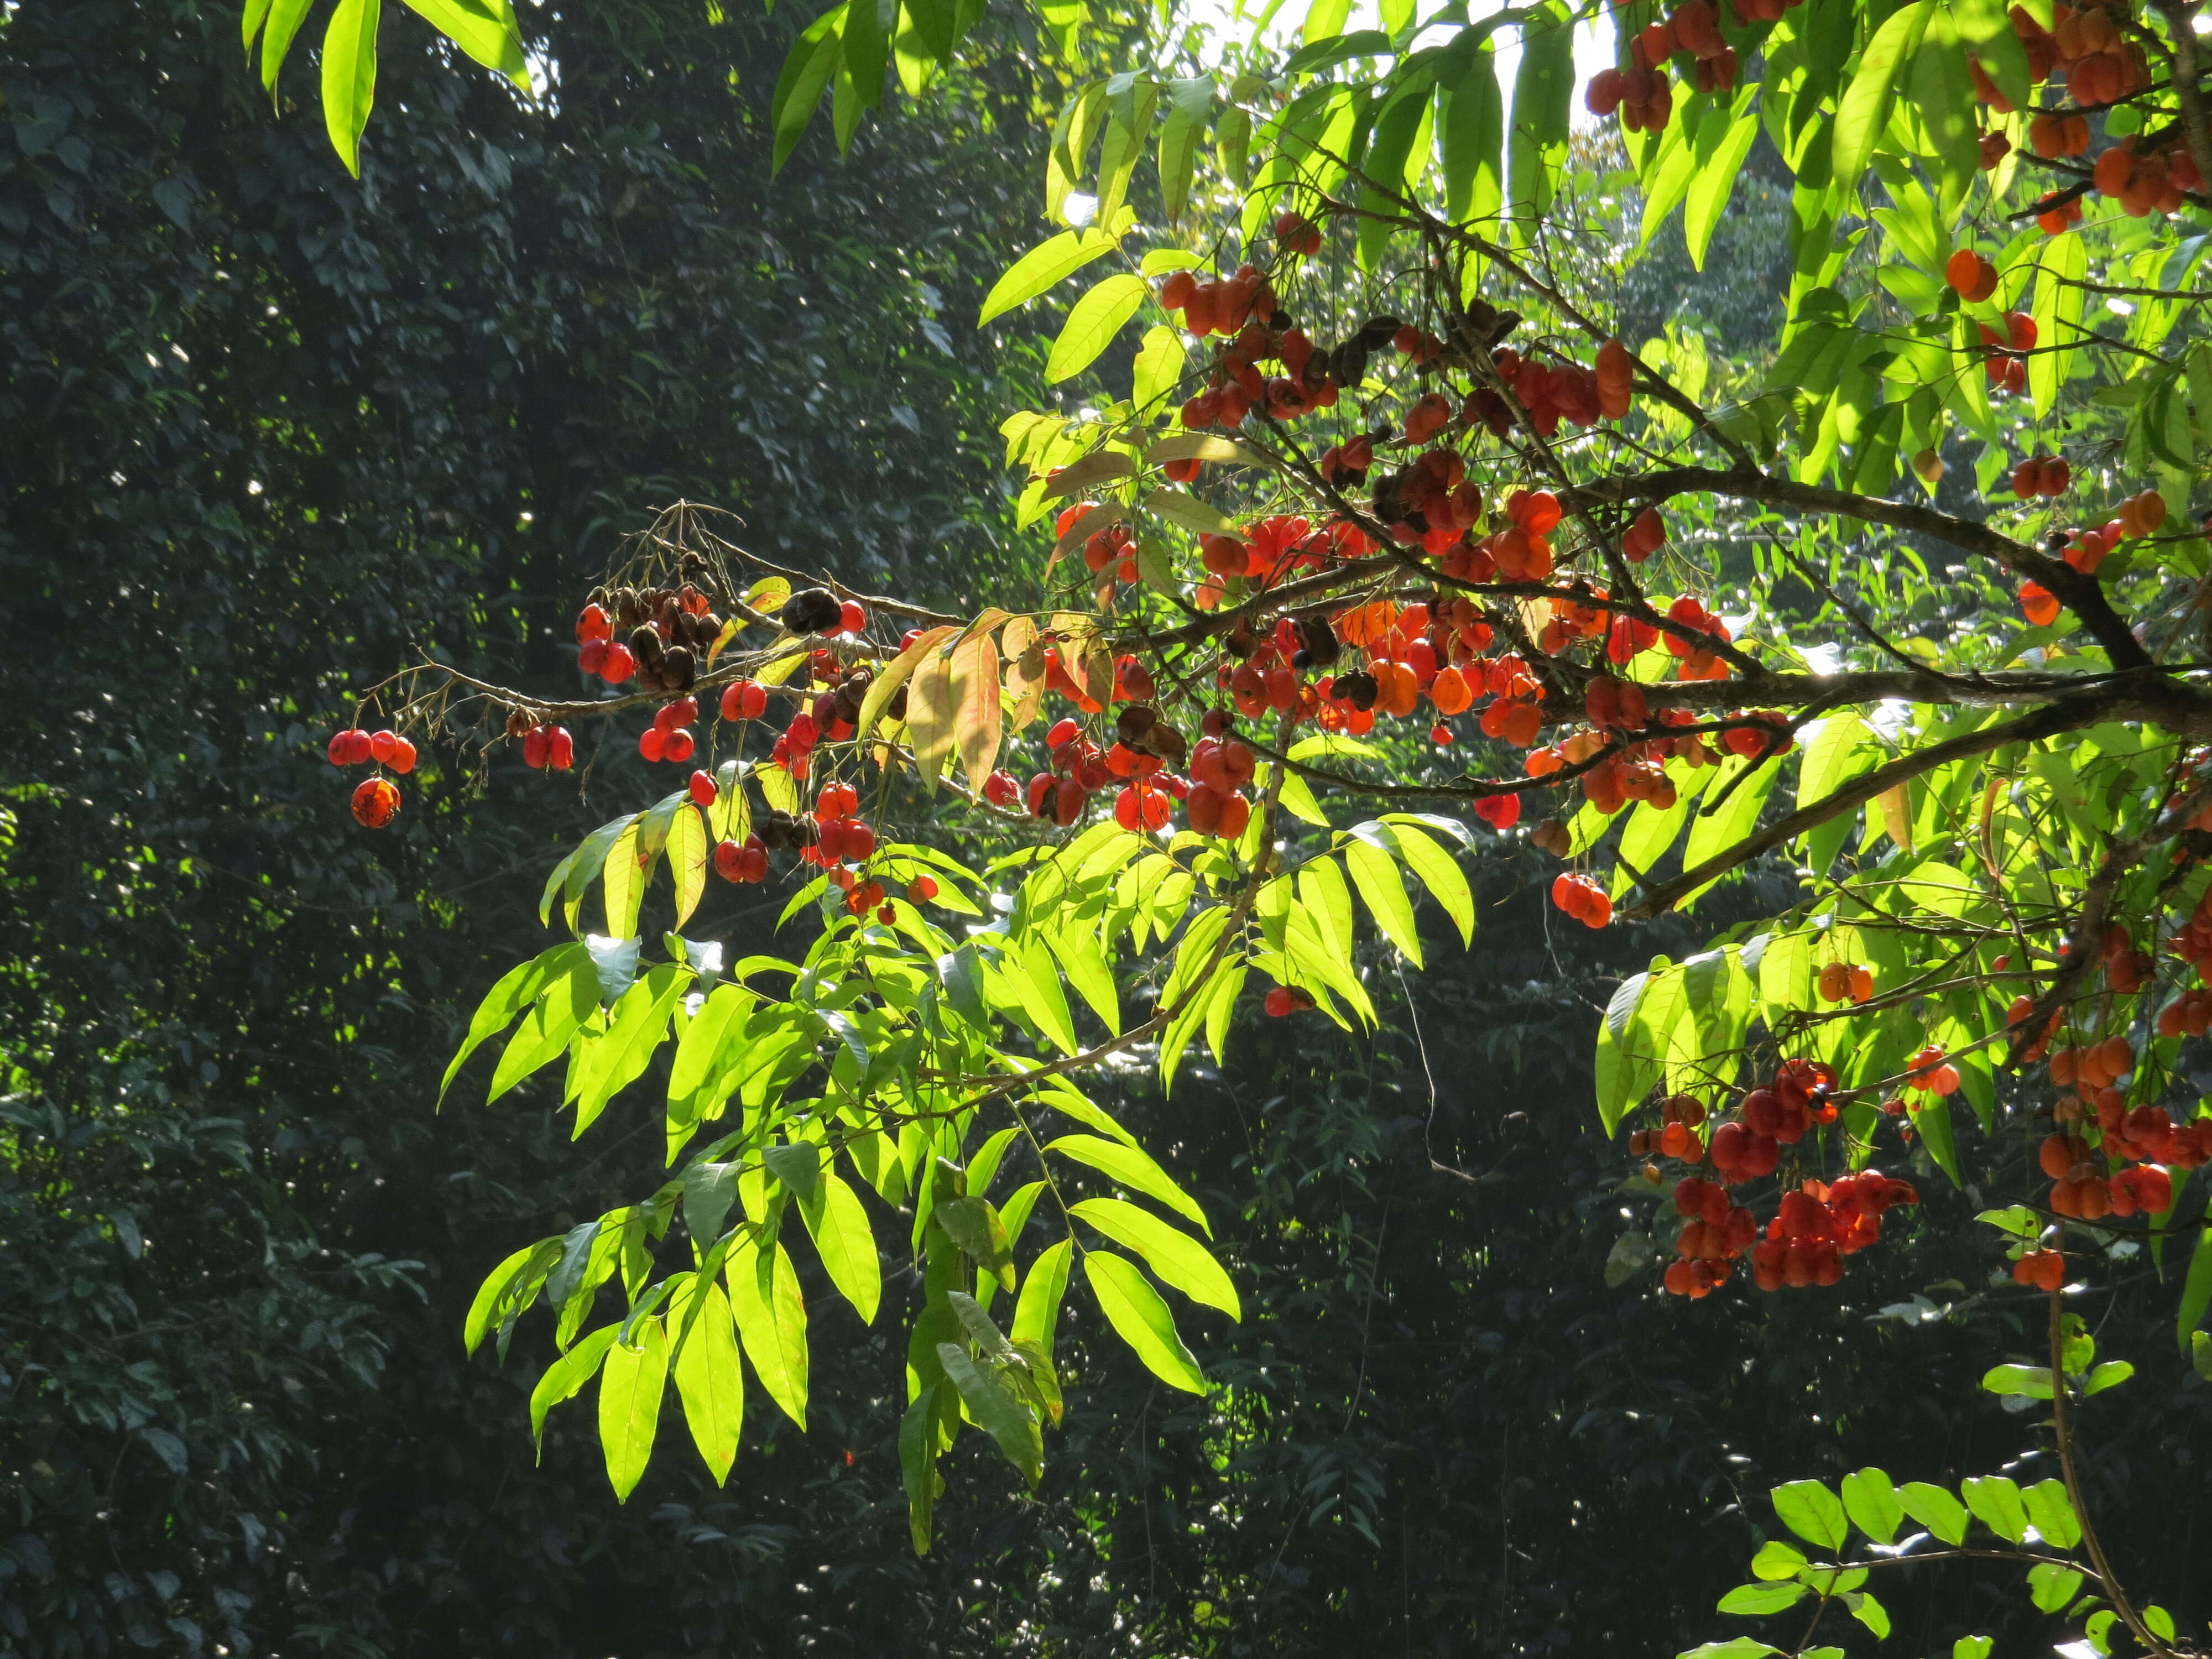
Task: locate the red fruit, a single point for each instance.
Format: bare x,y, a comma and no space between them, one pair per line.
1278,1002
678,746
1001,790
702,788
860,840
560,751
535,744
729,859
1067,802
380,746
403,756
753,865
851,618
652,744
1060,731
592,657
922,889
376,802
830,839
619,665
349,748
1175,291
836,800
594,625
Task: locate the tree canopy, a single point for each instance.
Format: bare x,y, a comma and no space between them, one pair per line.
1875,651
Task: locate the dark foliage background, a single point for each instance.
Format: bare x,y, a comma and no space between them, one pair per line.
270,434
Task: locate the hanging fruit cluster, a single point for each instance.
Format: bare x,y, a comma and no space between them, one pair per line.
1816,1223
375,800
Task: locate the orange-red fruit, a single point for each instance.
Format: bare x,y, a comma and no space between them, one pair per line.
702,787
376,802
922,889
349,748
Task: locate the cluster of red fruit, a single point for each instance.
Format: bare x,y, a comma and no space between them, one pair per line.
2044,475
661,636
375,800
669,737
1561,391
1820,1224
2044,1270
1844,982
2087,45
2142,1140
2006,362
1582,898
1932,1074
545,748
1641,92
2083,44
2139,515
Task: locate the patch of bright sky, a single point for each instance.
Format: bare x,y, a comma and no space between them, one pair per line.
1594,40
1220,21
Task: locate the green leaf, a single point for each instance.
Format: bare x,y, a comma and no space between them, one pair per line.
630,1383
1720,164
976,1227
1471,135
1091,324
478,1323
2050,1512
1439,873
845,1242
1003,1417
1935,1508
1044,266
2057,310
1175,1256
638,1027
1075,944
1036,1314
565,1378
485,29
813,58
1776,1560
350,77
2110,1375
1133,1168
1755,1599
569,1001
1863,115
1180,508
2029,1381
1375,873
1997,1503
1870,1500
771,1321
285,17
2196,1287
1943,91
1189,103
1813,1512
2052,1586
797,1165
1140,1319
517,989
1869,1612
687,860
1158,369
711,1382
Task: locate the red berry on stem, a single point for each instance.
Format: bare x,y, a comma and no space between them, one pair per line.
702,788
376,802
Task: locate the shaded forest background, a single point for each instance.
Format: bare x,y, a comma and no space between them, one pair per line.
268,434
